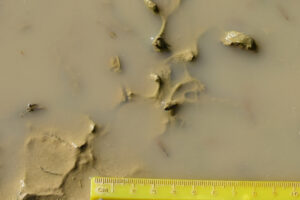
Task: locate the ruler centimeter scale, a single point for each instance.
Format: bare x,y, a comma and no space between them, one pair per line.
184,189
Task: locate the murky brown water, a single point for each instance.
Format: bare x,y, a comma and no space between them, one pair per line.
243,125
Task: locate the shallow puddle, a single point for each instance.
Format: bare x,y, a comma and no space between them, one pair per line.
113,88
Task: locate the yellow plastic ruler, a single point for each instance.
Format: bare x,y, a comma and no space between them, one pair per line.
175,189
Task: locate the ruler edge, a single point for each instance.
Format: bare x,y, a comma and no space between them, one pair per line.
194,182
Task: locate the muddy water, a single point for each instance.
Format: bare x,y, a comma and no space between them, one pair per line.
243,125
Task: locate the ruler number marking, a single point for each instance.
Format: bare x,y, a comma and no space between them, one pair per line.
102,189
194,192
153,189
